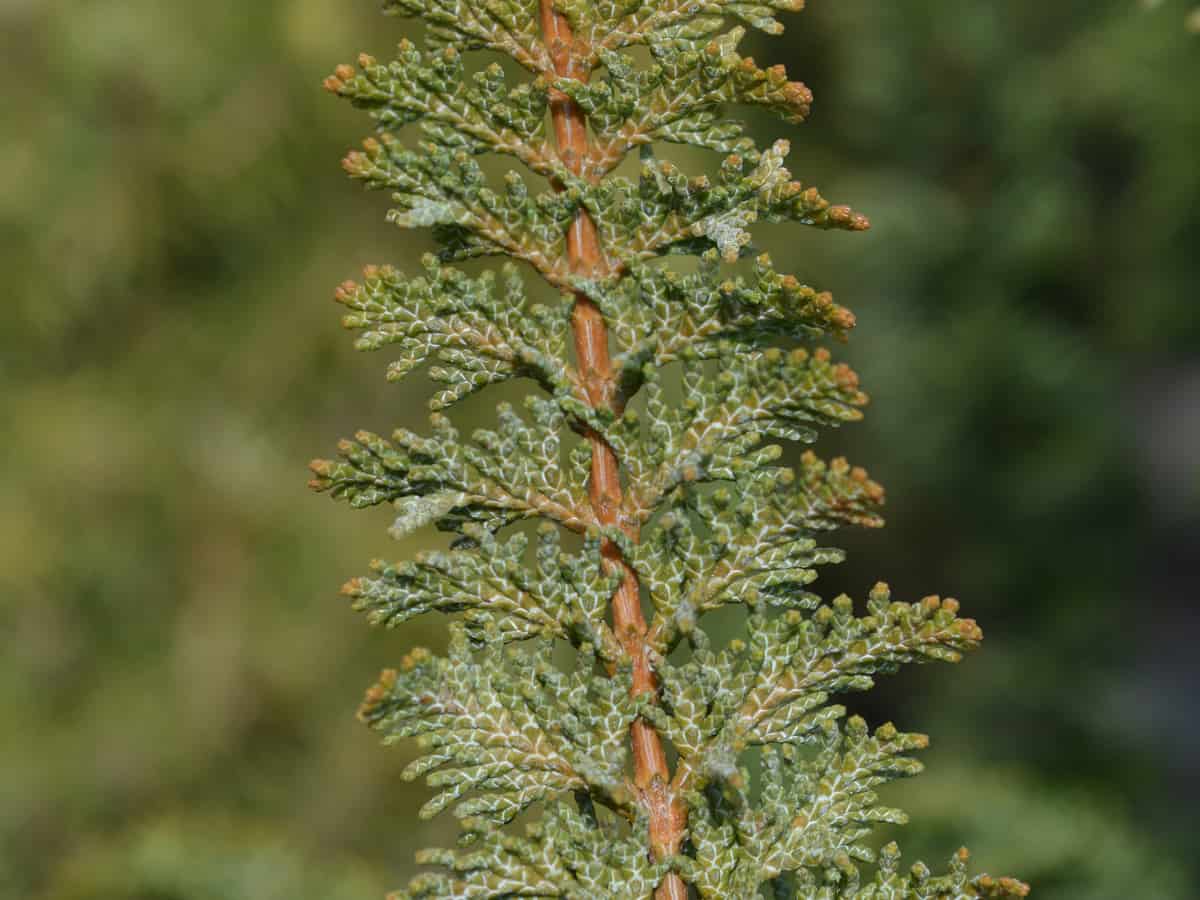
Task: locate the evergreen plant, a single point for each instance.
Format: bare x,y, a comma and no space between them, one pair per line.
654,762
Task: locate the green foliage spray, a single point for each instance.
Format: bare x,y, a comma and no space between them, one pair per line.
654,763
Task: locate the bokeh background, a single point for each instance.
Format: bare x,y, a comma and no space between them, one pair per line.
177,675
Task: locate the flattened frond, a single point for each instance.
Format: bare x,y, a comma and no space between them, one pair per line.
480,114
673,385
501,477
505,26
501,599
505,731
751,542
660,315
679,99
480,335
446,190
668,212
563,856
716,432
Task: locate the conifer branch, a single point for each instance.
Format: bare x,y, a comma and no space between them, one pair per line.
678,499
665,813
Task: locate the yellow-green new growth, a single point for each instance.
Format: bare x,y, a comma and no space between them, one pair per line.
657,393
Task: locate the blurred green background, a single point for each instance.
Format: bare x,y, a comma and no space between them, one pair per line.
177,675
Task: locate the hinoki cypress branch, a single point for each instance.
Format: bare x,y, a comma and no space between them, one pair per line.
665,808
676,384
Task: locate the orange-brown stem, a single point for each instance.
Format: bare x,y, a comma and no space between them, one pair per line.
664,807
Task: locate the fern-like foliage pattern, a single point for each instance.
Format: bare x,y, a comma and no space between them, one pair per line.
647,454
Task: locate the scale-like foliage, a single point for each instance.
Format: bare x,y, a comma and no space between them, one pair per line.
565,855
478,334
666,211
751,542
508,726
670,483
657,313
498,478
502,600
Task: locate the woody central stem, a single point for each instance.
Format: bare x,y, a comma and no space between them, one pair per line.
666,812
